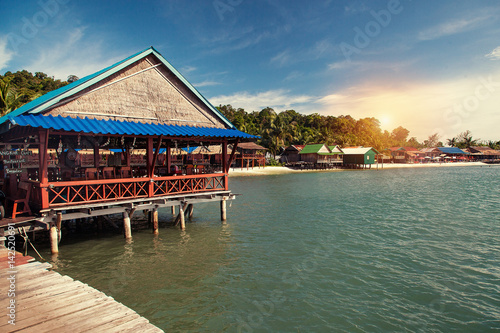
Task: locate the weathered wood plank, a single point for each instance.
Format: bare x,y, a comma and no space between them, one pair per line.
49,302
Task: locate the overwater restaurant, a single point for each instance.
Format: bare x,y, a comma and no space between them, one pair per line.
115,141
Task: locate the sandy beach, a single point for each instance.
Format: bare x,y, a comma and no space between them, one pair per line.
276,170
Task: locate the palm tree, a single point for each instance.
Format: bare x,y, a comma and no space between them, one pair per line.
7,98
451,142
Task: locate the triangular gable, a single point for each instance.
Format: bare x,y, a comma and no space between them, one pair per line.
335,149
315,149
143,87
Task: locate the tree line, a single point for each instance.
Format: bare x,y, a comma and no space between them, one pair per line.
17,89
277,130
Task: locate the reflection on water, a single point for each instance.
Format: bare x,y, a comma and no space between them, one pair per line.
392,250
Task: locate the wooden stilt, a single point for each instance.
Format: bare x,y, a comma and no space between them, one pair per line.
223,216
54,246
173,210
126,225
155,222
189,211
182,217
58,226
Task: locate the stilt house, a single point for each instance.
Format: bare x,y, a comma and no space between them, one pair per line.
111,143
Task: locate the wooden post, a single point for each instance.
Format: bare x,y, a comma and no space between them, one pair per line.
173,210
189,211
54,246
169,160
182,217
97,160
43,138
58,226
224,157
155,222
223,216
126,225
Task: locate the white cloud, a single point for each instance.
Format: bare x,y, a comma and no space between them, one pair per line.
281,58
206,83
188,69
71,53
5,54
495,54
279,99
451,28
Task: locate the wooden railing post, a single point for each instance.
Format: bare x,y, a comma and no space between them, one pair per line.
43,139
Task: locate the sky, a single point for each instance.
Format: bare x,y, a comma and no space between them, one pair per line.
429,66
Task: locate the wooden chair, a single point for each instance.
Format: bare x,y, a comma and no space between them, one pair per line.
108,173
125,172
91,174
22,197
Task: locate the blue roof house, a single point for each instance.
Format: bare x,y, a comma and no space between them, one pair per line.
140,103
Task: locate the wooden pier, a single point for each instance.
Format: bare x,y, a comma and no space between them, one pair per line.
36,299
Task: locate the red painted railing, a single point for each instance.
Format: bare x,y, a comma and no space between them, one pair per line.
105,190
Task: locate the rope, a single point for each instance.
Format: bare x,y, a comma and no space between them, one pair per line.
26,242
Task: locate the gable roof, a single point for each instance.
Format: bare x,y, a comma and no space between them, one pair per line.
52,98
314,149
250,146
335,149
358,151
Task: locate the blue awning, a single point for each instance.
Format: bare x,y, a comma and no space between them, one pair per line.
116,127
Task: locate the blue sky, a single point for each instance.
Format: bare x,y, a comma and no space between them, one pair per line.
429,66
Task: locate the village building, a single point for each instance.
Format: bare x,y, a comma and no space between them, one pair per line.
320,156
113,142
250,154
359,157
291,155
483,153
452,154
406,155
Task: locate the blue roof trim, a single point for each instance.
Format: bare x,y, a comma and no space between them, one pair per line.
452,150
116,127
74,87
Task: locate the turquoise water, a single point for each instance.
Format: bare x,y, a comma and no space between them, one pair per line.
407,250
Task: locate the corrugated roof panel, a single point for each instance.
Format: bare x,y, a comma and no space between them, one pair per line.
452,150
96,126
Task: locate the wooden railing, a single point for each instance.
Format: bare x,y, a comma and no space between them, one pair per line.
106,190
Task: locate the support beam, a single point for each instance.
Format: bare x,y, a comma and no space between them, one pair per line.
169,157
97,159
225,169
231,158
155,222
126,225
155,155
43,137
54,246
189,211
173,210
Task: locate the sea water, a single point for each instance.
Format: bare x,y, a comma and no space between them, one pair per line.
407,250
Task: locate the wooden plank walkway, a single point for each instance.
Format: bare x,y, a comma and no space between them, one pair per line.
46,301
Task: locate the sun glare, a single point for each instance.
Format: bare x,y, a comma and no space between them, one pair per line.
384,121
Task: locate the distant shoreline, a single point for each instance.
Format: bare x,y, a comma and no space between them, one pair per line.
278,170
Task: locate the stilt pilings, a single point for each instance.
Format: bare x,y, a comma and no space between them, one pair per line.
126,225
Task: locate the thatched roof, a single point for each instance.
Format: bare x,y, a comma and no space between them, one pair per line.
143,88
250,146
